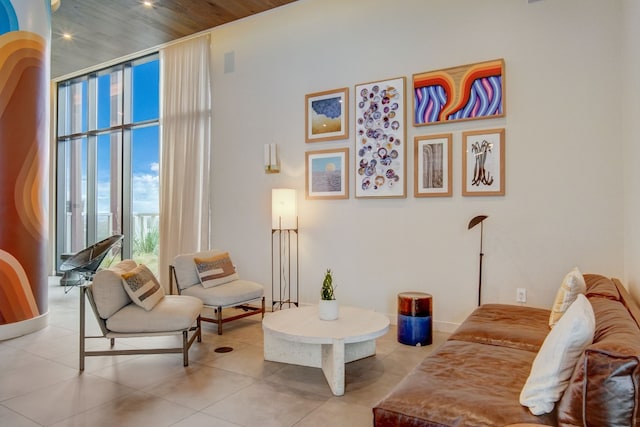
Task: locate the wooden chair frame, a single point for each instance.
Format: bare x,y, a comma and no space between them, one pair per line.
249,310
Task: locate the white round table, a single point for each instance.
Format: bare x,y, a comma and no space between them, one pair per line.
298,336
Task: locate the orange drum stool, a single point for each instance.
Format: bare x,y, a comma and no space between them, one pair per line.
414,318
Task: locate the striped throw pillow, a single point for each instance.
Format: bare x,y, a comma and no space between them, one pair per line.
143,287
215,270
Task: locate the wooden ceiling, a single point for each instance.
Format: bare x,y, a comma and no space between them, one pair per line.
104,30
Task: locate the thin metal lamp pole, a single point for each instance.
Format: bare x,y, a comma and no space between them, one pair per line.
475,221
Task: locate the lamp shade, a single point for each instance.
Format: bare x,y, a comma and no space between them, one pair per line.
284,209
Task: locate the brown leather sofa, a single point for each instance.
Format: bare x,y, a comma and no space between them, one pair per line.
475,378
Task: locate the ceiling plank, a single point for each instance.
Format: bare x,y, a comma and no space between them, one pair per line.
106,30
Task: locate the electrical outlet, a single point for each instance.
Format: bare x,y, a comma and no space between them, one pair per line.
521,295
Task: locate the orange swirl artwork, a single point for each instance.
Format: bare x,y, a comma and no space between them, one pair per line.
24,94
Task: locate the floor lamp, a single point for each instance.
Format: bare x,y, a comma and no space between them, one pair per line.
475,221
284,224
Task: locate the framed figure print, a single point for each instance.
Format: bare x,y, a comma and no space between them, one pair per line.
380,158
483,163
327,115
432,166
327,174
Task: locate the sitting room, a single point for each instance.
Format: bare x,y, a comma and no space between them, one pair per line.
419,158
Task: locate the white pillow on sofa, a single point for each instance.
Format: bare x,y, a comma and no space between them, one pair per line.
557,357
572,285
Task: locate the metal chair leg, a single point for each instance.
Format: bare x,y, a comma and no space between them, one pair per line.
219,320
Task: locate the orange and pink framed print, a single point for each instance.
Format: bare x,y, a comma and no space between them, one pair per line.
327,115
466,92
327,174
380,158
483,163
432,166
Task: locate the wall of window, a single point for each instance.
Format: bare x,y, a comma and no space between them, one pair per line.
108,145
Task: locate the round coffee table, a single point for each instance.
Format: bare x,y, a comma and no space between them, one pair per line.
298,336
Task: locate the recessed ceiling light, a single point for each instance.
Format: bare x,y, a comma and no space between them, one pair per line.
67,36
147,4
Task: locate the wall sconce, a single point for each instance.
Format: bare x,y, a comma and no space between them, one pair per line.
271,164
284,223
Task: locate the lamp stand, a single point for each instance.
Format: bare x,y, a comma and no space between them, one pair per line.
475,221
283,262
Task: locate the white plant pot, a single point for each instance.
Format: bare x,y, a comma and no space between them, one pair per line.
328,309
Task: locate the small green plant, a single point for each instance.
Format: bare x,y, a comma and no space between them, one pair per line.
326,293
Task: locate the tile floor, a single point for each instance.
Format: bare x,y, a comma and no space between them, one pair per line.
40,384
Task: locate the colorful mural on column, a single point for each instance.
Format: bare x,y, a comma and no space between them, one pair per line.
25,34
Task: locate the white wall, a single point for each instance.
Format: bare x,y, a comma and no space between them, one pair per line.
564,195
631,66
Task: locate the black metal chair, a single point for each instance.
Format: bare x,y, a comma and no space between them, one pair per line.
83,265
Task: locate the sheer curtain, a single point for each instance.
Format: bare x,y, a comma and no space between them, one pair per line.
185,160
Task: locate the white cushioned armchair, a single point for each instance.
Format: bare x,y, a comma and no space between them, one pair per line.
233,293
119,317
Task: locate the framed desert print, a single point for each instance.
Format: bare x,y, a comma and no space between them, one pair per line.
432,166
466,92
327,115
483,163
380,158
327,174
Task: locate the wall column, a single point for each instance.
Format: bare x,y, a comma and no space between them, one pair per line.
25,39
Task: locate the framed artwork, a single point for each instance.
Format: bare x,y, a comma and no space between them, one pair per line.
432,165
380,159
327,174
466,92
327,115
483,163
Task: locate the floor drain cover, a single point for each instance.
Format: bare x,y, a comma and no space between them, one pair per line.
223,349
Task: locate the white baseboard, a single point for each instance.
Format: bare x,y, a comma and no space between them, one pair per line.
17,329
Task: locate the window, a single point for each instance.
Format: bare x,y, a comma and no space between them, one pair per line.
108,160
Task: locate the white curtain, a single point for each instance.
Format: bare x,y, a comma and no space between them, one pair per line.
185,160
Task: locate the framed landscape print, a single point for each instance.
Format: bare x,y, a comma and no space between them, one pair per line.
432,165
380,158
327,174
466,92
327,115
483,163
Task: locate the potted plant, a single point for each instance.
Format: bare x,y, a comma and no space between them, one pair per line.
328,305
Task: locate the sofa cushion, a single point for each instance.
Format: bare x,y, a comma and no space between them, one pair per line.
215,270
172,313
227,294
506,326
572,285
600,286
108,292
142,287
603,389
462,384
556,360
186,270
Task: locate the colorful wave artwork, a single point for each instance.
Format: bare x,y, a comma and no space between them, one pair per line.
466,92
24,86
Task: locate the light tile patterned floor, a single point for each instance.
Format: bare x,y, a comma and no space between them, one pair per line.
40,384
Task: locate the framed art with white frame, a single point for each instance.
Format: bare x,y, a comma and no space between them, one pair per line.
327,115
483,165
380,158
432,166
327,174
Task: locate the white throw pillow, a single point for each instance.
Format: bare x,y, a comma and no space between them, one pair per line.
143,287
215,270
557,357
572,285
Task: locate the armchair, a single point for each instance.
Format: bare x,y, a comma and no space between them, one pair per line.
235,293
119,317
